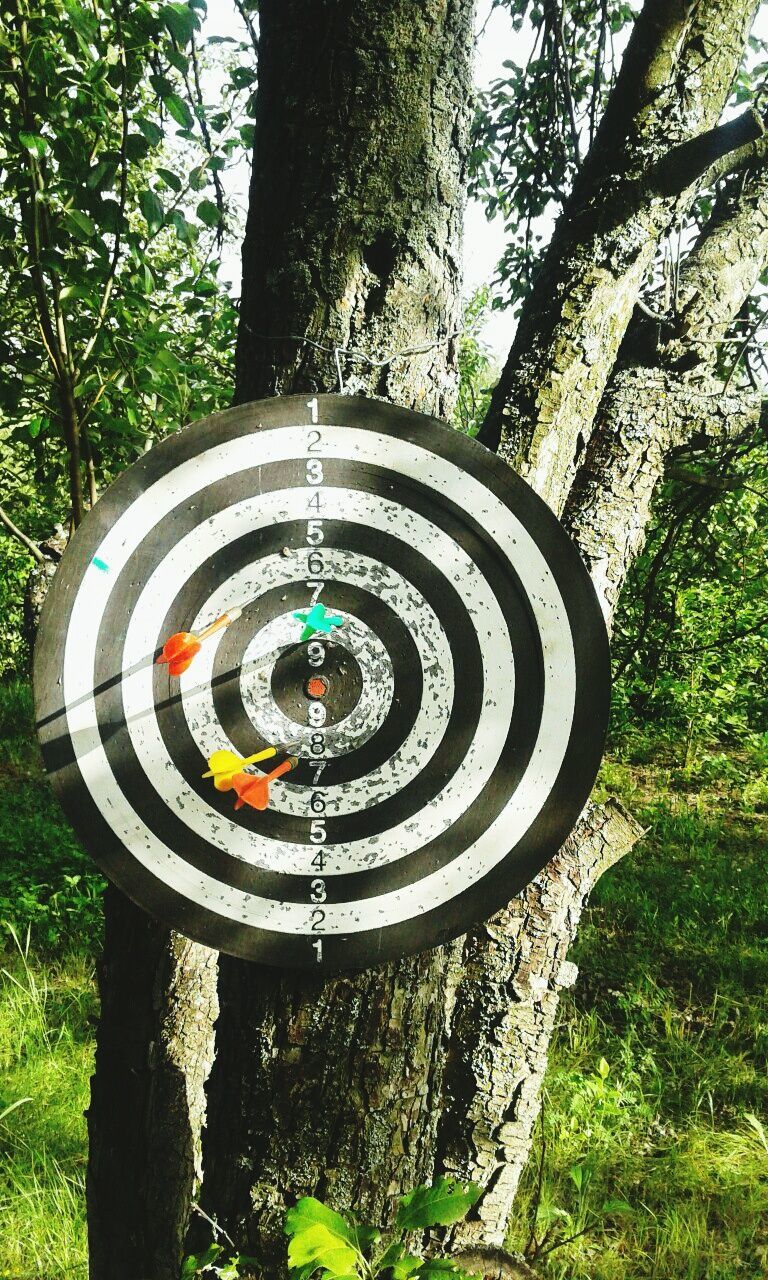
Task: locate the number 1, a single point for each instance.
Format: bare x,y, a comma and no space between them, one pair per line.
312,406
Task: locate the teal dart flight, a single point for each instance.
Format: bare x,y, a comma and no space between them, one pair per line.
318,619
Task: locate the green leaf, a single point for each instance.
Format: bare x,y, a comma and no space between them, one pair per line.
178,109
439,1268
445,1202
184,230
136,146
101,175
392,1254
406,1266
152,132
308,1211
170,179
323,1247
74,291
33,143
617,1206
151,208
208,213
181,21
80,224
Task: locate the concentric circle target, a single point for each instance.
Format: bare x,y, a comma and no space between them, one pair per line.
447,731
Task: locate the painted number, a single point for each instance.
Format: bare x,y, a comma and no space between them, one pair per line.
318,893
315,653
312,406
315,533
314,471
317,831
316,715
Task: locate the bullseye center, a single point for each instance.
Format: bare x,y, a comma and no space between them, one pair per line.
316,687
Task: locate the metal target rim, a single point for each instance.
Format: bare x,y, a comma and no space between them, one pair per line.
457,781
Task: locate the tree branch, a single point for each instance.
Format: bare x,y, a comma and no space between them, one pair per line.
21,537
710,154
674,81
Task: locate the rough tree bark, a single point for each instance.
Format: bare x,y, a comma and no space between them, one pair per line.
356,1088
153,1054
353,240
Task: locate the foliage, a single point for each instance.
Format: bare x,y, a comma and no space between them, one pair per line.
48,887
213,1263
116,326
534,125
691,636
47,1010
477,373
324,1244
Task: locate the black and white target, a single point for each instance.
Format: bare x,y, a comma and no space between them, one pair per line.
465,695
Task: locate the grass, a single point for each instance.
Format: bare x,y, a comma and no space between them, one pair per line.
652,1149
651,1154
46,1030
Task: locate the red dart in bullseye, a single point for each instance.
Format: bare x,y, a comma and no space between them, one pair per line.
180,648
253,789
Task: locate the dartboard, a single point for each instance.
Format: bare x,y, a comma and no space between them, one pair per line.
381,613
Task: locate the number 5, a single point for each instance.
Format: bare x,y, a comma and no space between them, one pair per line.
315,533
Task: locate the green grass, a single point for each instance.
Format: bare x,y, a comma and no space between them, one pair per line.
46,1030
652,1148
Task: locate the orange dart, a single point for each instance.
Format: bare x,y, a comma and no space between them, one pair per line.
180,648
254,790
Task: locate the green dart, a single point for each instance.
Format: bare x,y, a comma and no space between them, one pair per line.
318,619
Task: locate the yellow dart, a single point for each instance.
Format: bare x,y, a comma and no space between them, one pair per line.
223,765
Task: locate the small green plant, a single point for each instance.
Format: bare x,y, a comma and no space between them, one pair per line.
323,1244
211,1263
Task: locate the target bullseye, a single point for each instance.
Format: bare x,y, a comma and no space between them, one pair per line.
404,617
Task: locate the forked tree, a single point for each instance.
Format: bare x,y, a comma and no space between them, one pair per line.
357,1087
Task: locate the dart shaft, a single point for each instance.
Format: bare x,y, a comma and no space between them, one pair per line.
223,621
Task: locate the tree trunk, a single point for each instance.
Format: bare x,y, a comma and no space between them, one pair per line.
154,1051
353,243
